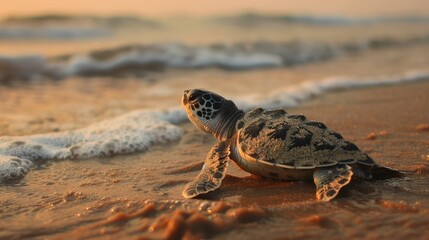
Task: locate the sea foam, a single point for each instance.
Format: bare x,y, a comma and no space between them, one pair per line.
132,132
292,96
139,130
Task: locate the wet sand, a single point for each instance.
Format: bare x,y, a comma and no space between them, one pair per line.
138,196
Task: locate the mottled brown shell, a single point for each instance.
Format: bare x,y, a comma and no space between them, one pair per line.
276,138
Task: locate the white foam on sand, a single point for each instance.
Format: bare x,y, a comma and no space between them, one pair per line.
292,96
139,130
132,132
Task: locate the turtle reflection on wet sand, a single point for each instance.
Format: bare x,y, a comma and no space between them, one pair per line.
274,144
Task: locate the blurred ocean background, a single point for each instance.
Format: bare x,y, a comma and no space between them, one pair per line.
58,46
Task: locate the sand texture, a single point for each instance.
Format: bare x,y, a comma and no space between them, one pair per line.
138,196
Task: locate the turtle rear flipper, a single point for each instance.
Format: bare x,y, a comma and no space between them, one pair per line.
329,180
212,173
381,173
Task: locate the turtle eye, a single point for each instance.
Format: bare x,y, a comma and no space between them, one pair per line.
193,97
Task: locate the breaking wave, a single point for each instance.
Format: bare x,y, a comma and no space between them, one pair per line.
59,33
250,19
64,20
68,27
239,56
139,130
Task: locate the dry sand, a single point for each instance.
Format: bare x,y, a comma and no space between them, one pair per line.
139,195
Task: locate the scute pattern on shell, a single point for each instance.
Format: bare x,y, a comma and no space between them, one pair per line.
293,141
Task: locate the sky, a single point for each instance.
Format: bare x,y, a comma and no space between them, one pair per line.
165,8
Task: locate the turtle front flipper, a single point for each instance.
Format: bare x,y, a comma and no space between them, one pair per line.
212,173
329,180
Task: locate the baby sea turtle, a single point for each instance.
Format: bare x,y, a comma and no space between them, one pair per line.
274,144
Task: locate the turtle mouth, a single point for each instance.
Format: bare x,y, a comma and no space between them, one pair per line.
185,98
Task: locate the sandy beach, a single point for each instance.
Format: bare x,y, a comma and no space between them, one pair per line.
139,195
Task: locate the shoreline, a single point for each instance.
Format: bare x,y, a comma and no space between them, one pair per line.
66,197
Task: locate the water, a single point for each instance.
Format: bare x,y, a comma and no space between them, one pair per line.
93,141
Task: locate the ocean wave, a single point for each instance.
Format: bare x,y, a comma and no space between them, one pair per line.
239,56
139,130
62,19
68,27
50,32
23,67
174,56
255,19
28,68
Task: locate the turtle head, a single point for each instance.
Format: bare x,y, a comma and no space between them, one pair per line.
211,112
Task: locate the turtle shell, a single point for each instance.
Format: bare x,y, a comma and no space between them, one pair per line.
275,138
